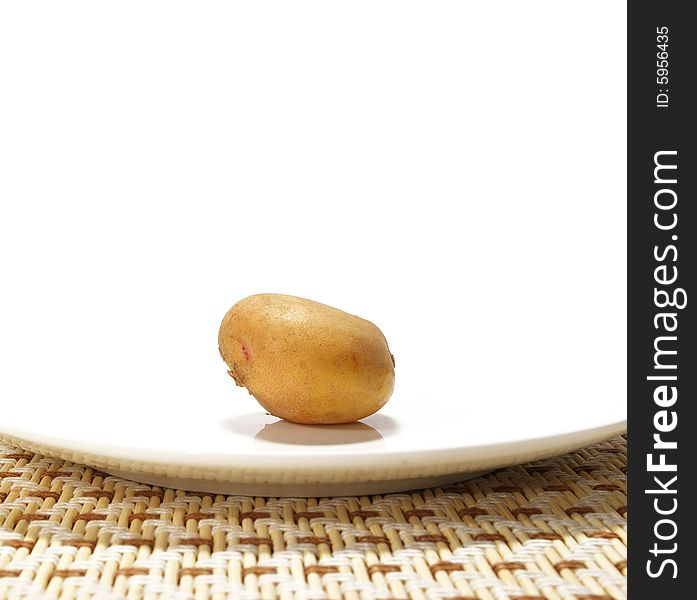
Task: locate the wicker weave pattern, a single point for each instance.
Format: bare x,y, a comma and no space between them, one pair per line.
552,529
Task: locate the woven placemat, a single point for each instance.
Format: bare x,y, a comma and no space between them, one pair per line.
550,529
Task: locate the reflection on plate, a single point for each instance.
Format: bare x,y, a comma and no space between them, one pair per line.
283,432
267,428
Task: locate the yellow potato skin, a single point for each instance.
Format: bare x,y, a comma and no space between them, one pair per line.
304,361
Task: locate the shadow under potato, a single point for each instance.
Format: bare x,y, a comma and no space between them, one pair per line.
267,428
285,432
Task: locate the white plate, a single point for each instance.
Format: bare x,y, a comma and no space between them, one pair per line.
215,448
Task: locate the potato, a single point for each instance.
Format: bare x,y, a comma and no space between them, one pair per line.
304,361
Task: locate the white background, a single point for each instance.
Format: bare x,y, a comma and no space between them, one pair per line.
452,171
